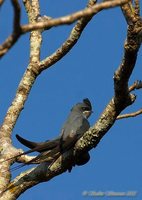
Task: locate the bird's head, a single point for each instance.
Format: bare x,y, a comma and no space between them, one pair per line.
85,108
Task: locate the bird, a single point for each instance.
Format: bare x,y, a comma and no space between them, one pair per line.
73,129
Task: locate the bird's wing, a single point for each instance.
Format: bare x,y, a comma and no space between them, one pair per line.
76,125
39,146
27,143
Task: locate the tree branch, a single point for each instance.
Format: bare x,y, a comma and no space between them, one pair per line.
69,43
134,114
21,96
122,98
27,5
12,39
69,19
31,73
136,85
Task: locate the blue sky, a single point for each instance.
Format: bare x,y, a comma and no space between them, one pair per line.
86,71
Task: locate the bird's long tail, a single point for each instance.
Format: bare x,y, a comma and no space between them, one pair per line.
39,147
48,156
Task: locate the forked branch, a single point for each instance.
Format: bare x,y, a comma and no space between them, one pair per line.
69,19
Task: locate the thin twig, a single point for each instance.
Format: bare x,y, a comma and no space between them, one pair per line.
136,85
134,114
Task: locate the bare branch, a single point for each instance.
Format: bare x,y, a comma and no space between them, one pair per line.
88,12
91,138
69,19
124,71
69,43
136,85
122,98
21,96
32,67
10,41
134,114
35,35
27,5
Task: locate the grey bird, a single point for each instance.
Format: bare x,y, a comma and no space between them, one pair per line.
73,129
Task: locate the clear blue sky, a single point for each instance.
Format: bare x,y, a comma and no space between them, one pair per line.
86,71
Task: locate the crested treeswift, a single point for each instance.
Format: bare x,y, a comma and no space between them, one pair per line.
73,129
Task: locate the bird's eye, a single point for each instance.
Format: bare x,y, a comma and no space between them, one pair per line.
84,108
